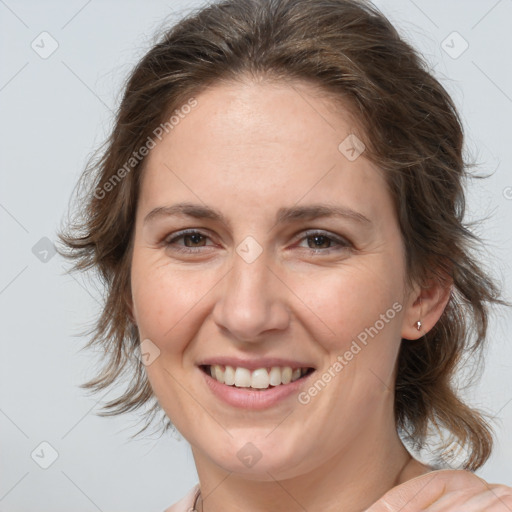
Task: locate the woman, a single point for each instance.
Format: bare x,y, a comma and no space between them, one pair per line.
278,218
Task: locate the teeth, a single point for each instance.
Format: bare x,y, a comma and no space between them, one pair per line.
261,378
219,374
229,375
286,375
242,378
275,376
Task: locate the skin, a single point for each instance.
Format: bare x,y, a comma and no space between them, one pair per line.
248,149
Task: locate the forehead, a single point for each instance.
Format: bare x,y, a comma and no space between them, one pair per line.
260,143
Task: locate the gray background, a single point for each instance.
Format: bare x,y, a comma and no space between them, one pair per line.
54,112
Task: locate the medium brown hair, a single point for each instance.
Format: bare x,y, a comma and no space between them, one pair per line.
411,130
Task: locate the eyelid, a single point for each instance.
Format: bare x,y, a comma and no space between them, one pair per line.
341,243
184,232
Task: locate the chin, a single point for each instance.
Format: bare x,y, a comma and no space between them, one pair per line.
261,459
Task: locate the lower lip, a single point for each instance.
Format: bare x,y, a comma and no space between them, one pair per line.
247,398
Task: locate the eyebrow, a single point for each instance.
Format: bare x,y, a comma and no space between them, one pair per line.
284,215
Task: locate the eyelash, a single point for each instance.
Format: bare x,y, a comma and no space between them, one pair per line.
341,242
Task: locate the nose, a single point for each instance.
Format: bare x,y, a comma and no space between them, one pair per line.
251,301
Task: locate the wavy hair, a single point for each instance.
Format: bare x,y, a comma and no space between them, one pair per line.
411,130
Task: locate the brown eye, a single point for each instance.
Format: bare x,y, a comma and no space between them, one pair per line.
196,238
193,241
324,242
319,242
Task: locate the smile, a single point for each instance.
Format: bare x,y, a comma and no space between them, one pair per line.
246,396
258,379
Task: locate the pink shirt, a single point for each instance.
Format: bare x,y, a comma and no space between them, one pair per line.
186,504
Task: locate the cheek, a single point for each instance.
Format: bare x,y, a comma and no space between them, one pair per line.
349,299
357,302
164,302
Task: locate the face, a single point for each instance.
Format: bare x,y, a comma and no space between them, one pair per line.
286,254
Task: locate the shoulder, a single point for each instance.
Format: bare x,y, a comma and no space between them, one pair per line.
186,504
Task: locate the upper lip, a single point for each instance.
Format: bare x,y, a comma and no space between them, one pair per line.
254,363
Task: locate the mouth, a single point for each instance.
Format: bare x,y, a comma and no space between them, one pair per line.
260,379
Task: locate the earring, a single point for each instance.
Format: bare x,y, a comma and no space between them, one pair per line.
418,325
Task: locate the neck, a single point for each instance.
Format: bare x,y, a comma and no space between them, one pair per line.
375,462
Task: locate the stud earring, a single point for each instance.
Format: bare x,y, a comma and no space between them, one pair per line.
418,325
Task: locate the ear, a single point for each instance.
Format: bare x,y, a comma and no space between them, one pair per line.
426,305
